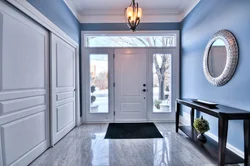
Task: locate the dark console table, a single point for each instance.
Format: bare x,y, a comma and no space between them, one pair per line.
217,150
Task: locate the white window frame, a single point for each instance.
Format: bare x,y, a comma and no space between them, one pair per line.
86,115
174,85
85,34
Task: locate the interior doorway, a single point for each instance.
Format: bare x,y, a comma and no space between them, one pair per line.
130,83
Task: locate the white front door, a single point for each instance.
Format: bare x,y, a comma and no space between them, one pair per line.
130,85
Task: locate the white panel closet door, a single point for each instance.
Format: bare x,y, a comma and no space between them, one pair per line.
24,88
62,87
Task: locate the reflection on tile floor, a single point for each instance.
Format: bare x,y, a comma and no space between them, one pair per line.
86,146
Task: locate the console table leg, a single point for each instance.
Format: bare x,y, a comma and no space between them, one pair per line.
177,114
246,142
223,129
192,117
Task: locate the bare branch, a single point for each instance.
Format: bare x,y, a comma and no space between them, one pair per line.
154,40
149,41
125,41
139,39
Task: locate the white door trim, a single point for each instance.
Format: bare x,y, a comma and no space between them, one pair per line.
122,33
174,84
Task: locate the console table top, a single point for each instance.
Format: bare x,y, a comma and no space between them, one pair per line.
233,113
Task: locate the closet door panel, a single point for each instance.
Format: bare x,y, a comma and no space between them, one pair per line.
65,65
24,88
23,48
65,116
63,87
16,143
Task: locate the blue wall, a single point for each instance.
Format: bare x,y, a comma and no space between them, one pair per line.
58,12
208,17
124,27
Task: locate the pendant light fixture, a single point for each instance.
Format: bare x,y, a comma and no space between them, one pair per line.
133,15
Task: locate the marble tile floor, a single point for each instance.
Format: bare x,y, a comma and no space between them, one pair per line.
86,146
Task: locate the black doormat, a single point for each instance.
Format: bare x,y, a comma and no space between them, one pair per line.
132,131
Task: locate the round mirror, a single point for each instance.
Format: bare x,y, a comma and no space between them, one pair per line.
217,58
220,58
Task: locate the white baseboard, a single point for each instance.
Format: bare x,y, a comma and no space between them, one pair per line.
229,146
185,120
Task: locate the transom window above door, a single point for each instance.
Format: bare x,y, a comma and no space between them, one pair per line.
130,41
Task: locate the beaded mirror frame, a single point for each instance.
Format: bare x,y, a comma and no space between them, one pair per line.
232,58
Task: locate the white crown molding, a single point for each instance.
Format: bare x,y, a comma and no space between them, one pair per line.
33,13
121,19
116,16
186,11
121,12
71,7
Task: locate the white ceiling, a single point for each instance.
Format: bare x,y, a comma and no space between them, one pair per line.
111,11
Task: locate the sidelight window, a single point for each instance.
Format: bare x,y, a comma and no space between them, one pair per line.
99,93
162,82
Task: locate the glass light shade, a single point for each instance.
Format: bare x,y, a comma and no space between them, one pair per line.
133,15
129,12
140,13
